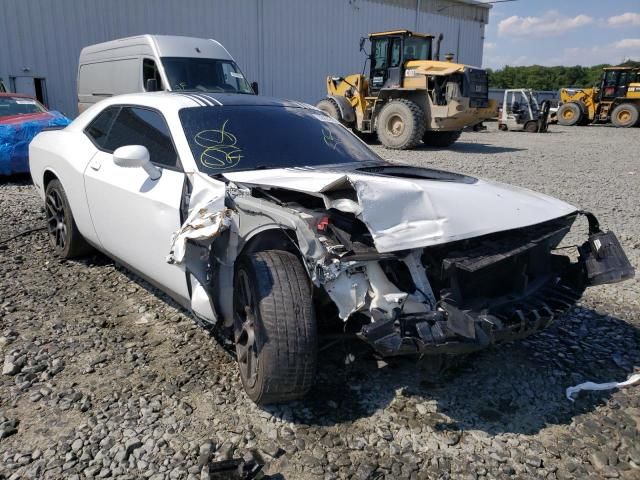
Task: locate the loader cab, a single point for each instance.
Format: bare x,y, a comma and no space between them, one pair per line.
390,51
615,82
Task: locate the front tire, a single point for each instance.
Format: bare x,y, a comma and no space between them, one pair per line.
330,107
531,126
400,124
275,327
625,115
64,236
570,114
441,139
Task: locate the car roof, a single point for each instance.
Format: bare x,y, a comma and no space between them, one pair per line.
184,99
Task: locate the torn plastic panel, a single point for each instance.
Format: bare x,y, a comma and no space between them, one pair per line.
500,288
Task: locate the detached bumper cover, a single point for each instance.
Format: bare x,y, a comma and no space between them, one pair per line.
461,325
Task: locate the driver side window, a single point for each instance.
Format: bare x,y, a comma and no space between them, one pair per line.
231,78
149,71
140,126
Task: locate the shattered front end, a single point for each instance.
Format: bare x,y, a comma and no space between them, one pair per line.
463,296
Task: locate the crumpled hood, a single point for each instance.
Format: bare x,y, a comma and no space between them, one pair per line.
405,212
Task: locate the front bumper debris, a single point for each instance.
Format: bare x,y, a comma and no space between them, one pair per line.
462,323
454,331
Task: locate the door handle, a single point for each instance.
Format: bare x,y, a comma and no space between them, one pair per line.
96,163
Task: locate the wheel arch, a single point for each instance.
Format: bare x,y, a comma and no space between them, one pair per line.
346,109
270,237
47,176
266,237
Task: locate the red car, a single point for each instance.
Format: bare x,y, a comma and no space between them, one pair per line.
22,118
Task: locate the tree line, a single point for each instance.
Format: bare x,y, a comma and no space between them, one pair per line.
538,77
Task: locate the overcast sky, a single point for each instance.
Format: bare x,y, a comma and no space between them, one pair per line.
562,32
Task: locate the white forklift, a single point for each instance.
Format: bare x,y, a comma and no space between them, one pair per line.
521,111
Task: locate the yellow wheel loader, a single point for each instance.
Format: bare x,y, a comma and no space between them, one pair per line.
408,96
616,100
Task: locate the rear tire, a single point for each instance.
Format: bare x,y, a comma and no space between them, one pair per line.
400,124
625,115
275,325
570,114
64,236
441,139
330,107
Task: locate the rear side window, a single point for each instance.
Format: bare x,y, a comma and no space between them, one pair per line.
98,129
139,126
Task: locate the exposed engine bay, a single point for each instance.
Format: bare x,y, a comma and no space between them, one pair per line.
391,250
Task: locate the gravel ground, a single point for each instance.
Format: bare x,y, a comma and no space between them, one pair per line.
105,377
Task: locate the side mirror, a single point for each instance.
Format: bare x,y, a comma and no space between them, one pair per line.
362,40
152,85
131,156
254,87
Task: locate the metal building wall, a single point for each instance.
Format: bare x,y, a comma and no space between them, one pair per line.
288,46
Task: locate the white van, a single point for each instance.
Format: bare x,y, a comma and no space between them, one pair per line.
157,62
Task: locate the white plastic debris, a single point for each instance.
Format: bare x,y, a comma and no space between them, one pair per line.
572,391
203,223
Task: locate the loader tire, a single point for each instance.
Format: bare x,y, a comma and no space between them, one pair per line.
330,107
570,114
441,139
400,124
625,115
275,326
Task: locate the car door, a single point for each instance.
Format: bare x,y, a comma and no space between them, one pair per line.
134,216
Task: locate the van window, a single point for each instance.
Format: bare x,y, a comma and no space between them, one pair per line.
140,126
205,75
150,70
98,129
113,77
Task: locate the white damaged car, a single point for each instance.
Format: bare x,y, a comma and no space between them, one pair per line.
270,221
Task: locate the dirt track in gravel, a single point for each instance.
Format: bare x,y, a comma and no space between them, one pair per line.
118,382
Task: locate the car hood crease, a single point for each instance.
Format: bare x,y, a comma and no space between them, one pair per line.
405,213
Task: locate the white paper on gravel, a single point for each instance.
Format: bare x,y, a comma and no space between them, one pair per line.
573,391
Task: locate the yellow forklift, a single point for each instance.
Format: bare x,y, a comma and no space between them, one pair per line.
409,95
616,100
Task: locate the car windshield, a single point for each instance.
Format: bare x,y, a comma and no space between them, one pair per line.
249,137
205,74
10,106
